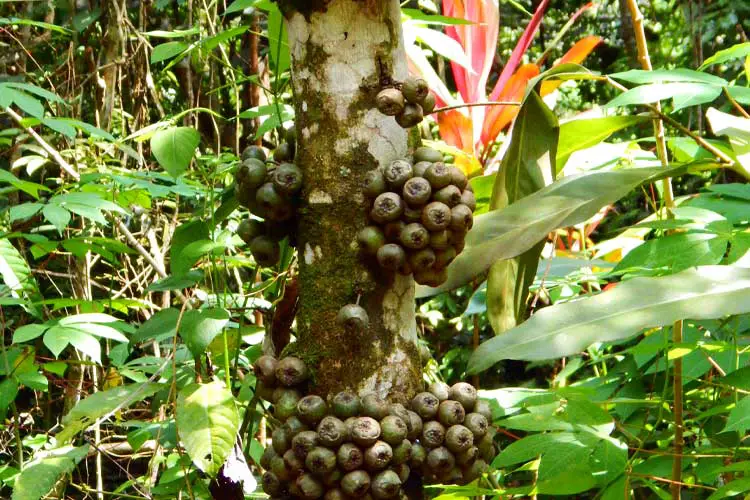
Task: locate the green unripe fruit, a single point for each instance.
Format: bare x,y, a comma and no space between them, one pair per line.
375,407
427,154
309,487
467,456
285,403
284,152
465,394
304,442
440,460
332,431
391,256
278,467
356,483
392,231
428,104
311,409
287,179
248,229
451,413
438,175
420,167
397,173
390,101
415,89
417,191
422,259
425,405
335,494
353,319
265,251
436,216
290,135
281,440
265,369
294,425
412,214
402,452
271,483
483,407
415,236
433,434
386,485
378,456
398,410
346,404
431,277
393,429
458,178
410,116
320,461
476,469
293,463
477,424
486,445
291,371
387,207
440,390
414,425
251,173
458,438
255,152
443,258
374,183
365,431
418,455
468,199
265,459
272,203
349,457
450,195
461,218
370,239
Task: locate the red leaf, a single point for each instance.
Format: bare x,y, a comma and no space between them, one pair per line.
456,129
577,53
499,117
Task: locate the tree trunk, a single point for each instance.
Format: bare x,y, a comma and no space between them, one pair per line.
341,50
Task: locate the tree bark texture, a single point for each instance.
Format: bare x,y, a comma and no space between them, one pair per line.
341,50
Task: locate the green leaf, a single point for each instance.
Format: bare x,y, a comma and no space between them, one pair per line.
176,282
674,253
581,134
16,274
8,391
24,211
503,234
57,216
95,406
641,76
5,21
31,188
739,51
738,378
190,254
738,131
30,105
278,41
527,166
56,338
739,417
683,94
28,332
167,50
704,292
212,42
200,326
239,5
158,327
732,488
424,18
208,421
33,380
534,445
41,474
174,148
33,89
60,126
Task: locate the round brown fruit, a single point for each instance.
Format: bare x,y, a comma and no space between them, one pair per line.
387,207
415,236
436,216
254,151
353,318
390,101
410,116
415,89
291,371
374,183
417,191
439,175
265,251
391,256
287,179
422,260
450,195
397,173
370,239
428,103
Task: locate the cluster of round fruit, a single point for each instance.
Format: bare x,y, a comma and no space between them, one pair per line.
420,213
409,101
269,189
367,448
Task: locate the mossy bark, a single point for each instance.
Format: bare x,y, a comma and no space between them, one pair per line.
340,55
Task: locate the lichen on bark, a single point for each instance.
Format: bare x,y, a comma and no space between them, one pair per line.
339,55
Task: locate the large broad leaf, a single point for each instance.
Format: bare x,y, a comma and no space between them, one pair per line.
88,410
158,327
503,234
40,475
200,326
207,422
683,94
738,131
704,292
16,273
174,148
739,417
739,51
528,165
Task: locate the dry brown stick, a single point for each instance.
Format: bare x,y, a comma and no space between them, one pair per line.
661,149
